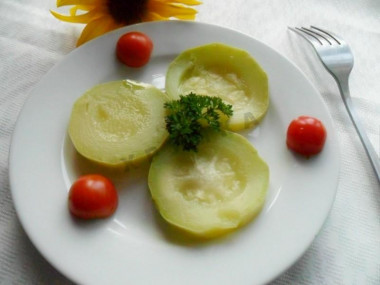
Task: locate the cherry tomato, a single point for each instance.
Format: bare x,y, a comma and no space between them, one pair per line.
306,135
92,196
134,49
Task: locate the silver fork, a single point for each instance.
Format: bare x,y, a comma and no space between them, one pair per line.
337,58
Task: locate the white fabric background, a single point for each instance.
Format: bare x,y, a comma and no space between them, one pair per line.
347,250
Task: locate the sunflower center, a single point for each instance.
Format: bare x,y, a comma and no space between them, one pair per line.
127,11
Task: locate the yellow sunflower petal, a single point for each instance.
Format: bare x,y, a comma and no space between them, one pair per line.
96,28
61,3
74,9
82,18
172,10
189,2
99,19
184,17
186,2
151,16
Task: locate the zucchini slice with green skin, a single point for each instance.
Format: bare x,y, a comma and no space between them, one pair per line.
227,72
213,191
119,122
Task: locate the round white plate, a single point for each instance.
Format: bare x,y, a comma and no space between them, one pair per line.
135,246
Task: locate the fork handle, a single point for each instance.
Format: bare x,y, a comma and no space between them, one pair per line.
345,93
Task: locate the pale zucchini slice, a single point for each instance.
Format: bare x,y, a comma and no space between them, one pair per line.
224,71
119,122
213,191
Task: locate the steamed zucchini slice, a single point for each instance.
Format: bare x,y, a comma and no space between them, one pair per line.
227,72
118,122
213,191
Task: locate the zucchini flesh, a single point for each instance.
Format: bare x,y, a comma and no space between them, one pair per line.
118,122
213,191
227,72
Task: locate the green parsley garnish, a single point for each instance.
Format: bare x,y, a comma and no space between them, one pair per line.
190,114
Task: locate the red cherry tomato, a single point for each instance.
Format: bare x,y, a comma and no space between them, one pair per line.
306,135
134,49
92,196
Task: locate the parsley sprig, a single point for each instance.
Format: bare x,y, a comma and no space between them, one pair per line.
190,114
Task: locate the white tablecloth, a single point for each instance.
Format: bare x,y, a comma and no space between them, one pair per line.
347,250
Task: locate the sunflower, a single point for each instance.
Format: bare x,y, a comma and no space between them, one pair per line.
102,16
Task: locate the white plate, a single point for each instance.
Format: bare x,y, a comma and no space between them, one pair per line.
135,246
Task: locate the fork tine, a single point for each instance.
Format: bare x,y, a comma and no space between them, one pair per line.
316,34
329,34
307,36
